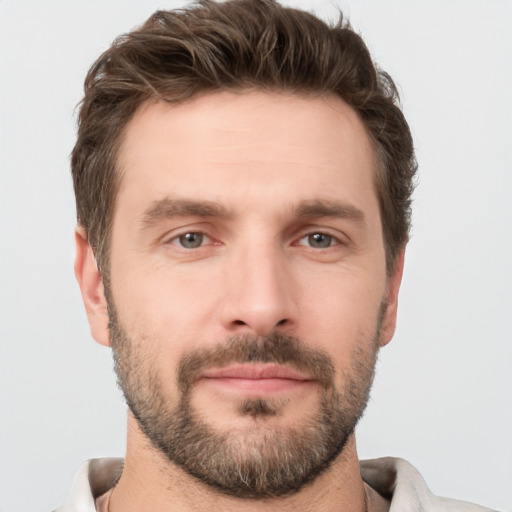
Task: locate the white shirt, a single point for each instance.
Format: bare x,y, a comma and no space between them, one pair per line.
390,477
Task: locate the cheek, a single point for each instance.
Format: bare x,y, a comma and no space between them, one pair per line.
342,319
344,303
172,306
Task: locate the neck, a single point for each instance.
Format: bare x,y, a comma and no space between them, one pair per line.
149,482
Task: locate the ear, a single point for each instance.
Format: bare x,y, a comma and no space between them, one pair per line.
91,286
388,325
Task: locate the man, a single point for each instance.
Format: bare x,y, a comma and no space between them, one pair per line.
243,180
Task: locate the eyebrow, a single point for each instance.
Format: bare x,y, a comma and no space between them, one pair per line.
168,208
330,208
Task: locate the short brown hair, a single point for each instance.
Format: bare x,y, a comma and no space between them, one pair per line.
236,45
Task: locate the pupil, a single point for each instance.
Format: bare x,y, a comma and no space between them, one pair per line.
191,240
320,240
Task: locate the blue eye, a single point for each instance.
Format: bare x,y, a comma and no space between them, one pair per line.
191,240
319,240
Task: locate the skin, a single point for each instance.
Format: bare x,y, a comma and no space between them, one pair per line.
259,156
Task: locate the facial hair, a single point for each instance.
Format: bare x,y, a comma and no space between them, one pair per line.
260,461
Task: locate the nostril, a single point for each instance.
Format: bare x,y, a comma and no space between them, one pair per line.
282,322
239,322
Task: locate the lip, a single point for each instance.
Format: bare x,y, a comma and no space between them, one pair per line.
255,372
256,379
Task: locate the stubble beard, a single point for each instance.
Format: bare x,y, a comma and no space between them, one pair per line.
260,461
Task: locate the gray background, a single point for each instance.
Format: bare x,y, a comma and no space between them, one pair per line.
443,393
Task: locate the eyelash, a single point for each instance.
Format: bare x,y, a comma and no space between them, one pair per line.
331,239
326,237
177,240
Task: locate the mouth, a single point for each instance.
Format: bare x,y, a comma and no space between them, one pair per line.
256,379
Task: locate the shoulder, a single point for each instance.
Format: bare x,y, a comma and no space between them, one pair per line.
401,482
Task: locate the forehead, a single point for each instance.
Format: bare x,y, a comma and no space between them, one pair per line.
231,144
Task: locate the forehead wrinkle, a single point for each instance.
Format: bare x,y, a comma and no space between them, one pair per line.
168,208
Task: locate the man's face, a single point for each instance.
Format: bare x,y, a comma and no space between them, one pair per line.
248,283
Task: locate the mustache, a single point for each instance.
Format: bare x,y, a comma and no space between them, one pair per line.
276,348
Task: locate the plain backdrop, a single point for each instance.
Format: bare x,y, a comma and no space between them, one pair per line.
443,393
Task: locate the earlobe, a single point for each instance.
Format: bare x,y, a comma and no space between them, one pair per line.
388,325
91,285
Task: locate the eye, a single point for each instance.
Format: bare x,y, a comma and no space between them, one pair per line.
191,240
319,240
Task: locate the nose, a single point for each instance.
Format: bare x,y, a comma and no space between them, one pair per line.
260,294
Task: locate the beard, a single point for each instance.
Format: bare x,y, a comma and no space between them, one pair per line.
260,460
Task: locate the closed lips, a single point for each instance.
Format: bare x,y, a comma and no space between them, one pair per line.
254,372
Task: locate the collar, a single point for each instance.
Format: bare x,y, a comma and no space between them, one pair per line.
393,478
